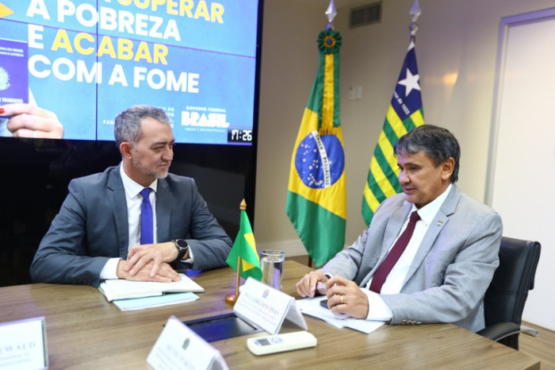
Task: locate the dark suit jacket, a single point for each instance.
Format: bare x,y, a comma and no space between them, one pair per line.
92,227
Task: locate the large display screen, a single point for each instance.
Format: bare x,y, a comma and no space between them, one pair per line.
88,60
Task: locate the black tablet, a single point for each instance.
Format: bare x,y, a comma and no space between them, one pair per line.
221,327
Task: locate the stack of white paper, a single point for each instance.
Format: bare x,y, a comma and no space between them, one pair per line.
311,307
150,302
125,289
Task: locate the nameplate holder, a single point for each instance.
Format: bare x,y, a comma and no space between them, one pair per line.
23,344
178,348
266,307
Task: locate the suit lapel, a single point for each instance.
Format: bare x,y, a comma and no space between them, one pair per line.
393,228
440,220
116,195
163,214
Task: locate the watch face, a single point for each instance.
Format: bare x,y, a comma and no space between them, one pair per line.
181,243
182,248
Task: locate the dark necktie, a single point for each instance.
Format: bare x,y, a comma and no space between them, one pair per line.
146,218
394,254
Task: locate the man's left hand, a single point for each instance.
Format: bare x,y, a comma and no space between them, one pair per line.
140,255
345,296
165,273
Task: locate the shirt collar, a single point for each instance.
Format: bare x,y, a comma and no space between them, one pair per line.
132,188
429,211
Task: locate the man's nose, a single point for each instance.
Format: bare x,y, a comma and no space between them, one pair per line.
403,178
168,154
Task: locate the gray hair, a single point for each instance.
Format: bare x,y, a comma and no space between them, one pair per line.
436,142
127,127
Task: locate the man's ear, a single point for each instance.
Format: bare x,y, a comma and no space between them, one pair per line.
447,168
125,149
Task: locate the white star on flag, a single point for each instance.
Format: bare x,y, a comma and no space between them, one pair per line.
410,82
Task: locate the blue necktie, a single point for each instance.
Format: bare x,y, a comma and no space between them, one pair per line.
146,218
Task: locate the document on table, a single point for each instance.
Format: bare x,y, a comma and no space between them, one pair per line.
311,307
159,301
124,289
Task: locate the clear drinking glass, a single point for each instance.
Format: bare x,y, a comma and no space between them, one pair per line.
271,262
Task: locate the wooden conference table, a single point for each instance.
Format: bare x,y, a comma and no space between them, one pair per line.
84,331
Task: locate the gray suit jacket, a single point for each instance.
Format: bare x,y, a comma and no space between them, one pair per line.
451,271
92,227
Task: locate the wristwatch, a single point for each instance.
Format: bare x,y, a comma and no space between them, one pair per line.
182,248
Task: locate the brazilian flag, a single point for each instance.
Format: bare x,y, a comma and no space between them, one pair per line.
316,200
245,247
404,113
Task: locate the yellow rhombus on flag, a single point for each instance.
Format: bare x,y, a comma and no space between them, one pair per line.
316,196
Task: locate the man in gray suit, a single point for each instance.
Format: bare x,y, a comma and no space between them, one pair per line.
448,260
97,234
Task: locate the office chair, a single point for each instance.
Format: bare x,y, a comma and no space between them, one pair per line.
505,298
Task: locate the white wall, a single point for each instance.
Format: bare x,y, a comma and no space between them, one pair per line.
456,49
521,180
289,64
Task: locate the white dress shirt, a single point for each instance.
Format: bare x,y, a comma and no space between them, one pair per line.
378,309
133,199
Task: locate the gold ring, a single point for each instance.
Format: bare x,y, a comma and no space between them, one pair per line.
342,300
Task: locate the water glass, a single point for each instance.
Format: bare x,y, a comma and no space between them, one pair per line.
271,262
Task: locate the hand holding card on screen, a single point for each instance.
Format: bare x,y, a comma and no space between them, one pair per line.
29,121
89,60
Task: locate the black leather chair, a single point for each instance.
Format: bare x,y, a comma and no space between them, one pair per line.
505,298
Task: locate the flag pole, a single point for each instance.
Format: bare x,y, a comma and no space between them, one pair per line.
238,282
232,298
330,13
405,112
414,13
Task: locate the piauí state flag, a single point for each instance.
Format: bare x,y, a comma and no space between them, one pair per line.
316,200
245,247
404,113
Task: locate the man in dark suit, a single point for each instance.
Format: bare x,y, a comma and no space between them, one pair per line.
103,231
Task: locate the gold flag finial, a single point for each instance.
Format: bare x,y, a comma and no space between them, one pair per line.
232,298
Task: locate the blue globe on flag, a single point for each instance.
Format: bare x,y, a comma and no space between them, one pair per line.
320,160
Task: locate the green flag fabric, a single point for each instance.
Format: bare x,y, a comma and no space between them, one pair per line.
245,247
404,113
316,197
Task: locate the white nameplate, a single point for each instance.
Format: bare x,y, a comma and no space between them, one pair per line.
178,347
23,345
266,307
